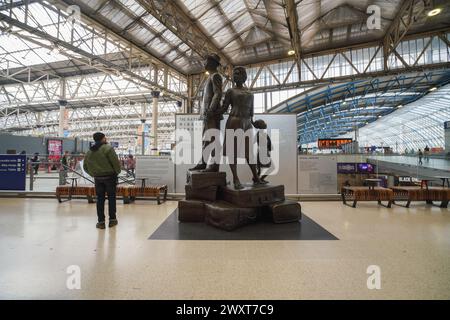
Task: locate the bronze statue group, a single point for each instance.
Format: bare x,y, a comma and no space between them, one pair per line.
240,118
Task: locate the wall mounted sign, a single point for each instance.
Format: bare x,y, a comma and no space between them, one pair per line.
12,172
346,167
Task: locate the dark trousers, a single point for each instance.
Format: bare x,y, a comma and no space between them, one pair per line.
106,185
211,123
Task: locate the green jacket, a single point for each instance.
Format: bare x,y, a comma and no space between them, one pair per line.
101,161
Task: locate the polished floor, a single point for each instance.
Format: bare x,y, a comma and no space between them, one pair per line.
40,239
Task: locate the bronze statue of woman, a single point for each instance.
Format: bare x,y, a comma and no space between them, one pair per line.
240,117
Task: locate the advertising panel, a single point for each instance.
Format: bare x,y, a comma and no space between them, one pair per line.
54,149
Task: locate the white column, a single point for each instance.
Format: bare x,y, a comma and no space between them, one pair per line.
62,107
143,119
62,117
155,95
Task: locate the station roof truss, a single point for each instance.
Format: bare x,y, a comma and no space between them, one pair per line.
333,110
111,55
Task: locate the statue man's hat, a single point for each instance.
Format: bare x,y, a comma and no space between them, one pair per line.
214,57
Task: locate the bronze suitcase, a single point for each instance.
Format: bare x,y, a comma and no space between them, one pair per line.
252,197
224,215
199,179
191,211
284,211
207,194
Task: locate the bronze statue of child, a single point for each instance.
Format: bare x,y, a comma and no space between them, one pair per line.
263,158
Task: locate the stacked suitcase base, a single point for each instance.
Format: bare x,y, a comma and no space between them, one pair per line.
209,199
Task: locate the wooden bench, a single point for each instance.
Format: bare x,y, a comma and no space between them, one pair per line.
154,191
356,194
439,194
127,192
79,190
430,194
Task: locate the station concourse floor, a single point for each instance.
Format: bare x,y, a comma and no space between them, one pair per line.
40,238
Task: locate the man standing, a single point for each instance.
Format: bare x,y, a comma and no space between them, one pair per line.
64,168
102,163
210,112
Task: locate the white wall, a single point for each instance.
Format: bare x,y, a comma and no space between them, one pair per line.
287,145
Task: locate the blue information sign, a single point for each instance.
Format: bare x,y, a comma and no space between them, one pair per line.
12,172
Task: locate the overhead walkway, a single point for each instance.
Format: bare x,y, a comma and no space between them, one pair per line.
405,165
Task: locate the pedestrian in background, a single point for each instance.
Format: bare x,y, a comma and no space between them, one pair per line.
427,153
102,163
131,165
35,162
420,157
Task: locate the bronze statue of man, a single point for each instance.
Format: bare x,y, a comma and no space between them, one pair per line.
210,112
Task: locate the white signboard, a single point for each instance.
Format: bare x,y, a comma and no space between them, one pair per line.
158,170
286,126
317,174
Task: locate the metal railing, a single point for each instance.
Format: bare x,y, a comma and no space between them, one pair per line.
66,171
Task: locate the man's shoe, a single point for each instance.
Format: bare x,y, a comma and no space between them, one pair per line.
200,166
112,223
100,225
212,168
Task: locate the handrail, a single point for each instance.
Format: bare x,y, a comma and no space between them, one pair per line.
123,179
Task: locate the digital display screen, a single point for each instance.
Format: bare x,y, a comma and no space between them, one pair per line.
332,143
365,168
54,149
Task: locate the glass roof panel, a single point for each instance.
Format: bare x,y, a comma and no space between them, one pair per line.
197,7
133,6
232,8
415,125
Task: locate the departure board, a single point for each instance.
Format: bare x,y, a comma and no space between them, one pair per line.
332,143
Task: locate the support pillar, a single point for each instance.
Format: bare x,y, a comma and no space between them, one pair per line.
143,119
62,108
155,95
62,125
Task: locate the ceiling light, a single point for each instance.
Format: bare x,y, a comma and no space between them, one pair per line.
379,116
400,106
432,89
206,72
434,12
291,52
344,103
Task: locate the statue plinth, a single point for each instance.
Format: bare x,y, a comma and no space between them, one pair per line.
211,200
251,196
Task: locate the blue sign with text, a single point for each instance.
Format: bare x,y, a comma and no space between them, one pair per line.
12,171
